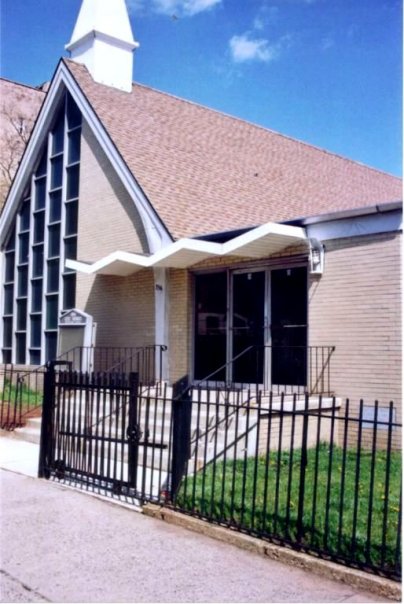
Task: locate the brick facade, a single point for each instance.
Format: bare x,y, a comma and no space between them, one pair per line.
355,305
122,307
108,219
180,323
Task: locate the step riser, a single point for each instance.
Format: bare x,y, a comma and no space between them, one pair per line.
158,432
160,458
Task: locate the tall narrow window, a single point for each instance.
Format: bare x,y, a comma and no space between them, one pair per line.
37,287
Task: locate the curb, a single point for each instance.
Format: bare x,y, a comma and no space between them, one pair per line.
356,578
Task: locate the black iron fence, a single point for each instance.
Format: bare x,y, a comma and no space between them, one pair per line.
310,472
21,389
280,369
146,361
21,394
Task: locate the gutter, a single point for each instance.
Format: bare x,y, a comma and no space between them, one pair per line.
224,236
339,215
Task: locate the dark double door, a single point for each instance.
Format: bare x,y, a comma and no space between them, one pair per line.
258,318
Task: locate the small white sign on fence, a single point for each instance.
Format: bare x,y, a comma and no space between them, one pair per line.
382,418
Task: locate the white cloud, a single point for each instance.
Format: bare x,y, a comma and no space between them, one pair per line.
192,7
258,23
167,7
244,48
265,16
180,8
136,5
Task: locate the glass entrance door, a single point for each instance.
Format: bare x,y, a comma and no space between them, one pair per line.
289,326
247,327
210,348
232,316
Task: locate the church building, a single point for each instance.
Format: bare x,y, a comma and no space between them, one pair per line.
248,257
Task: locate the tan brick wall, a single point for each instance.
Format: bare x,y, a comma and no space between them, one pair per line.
348,427
286,432
242,261
180,319
355,305
123,307
108,219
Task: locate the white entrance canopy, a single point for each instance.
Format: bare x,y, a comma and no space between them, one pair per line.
262,241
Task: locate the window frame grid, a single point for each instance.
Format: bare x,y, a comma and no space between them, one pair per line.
34,243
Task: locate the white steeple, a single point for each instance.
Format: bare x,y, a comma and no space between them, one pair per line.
103,41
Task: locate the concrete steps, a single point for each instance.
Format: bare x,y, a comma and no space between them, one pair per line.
208,424
30,433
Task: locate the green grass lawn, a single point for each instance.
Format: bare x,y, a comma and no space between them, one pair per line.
26,398
225,492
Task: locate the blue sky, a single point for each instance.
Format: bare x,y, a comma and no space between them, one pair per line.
324,71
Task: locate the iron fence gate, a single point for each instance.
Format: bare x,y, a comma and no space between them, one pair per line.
111,432
89,428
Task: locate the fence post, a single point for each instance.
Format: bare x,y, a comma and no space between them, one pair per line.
133,430
45,446
303,464
182,411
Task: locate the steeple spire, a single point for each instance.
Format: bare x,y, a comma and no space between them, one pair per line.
103,41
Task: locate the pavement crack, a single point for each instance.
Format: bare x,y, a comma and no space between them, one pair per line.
24,585
347,598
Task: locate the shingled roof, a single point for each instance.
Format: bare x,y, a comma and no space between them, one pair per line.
206,172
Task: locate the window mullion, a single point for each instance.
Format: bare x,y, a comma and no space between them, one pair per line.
46,250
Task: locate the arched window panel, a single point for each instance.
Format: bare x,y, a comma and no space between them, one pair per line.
72,212
25,215
69,291
58,134
42,165
40,192
9,265
10,242
73,114
74,142
55,206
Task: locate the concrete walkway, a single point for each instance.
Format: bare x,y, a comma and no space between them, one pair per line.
19,456
60,545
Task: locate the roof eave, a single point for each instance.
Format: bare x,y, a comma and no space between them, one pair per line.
352,213
265,240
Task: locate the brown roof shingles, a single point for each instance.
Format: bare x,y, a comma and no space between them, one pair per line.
205,172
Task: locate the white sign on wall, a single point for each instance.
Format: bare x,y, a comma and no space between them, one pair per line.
382,418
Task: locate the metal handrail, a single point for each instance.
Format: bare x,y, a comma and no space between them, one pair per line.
154,347
325,363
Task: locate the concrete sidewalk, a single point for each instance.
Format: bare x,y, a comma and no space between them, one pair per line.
59,545
19,456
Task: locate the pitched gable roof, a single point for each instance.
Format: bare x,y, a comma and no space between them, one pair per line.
206,172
